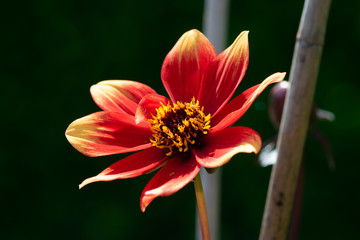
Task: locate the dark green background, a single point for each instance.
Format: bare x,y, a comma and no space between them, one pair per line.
53,51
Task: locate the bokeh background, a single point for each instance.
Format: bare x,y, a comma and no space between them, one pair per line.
53,51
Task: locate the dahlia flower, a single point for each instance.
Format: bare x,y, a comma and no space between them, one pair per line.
179,134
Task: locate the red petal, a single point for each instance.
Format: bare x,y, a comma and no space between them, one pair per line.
224,74
239,105
135,165
184,65
105,133
218,148
119,95
147,106
176,173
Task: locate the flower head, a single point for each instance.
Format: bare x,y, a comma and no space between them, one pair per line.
177,134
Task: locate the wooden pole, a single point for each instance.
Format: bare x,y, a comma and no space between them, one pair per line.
295,119
215,23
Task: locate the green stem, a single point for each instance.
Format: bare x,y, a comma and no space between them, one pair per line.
202,208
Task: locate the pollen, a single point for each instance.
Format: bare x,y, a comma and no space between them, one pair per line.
178,126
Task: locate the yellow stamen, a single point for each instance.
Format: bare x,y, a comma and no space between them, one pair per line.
179,125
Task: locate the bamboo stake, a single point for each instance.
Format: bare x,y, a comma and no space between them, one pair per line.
215,29
295,119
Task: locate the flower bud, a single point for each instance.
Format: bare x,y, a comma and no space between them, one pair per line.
277,97
276,102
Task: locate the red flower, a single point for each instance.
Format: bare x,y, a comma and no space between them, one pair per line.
180,134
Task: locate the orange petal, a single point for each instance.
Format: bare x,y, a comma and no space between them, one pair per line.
239,105
135,165
218,148
105,133
147,107
176,173
119,95
185,64
224,74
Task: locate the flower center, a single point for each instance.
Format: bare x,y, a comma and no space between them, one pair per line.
178,126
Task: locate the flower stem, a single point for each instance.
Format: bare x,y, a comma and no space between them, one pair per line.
202,208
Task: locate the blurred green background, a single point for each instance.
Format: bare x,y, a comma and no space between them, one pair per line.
53,51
